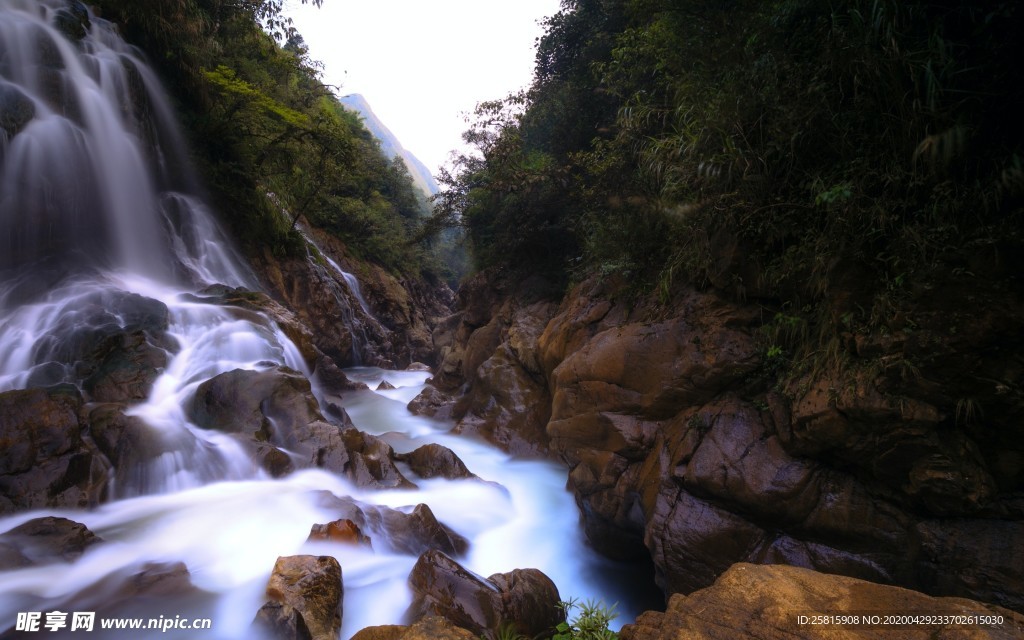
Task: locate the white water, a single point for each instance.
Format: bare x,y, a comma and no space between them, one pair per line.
98,212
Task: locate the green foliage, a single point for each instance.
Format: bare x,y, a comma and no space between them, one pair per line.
590,623
762,148
273,142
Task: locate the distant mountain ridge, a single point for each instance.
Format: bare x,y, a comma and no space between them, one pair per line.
389,143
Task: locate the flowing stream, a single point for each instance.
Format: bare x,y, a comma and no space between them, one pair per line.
100,224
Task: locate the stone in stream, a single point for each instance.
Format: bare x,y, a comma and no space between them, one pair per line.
524,598
305,599
44,541
390,529
435,461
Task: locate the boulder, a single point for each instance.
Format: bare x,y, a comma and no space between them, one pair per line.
45,540
372,462
46,458
767,602
427,628
432,402
344,531
409,531
434,461
524,598
304,591
271,409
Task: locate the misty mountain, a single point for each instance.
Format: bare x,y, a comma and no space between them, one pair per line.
390,145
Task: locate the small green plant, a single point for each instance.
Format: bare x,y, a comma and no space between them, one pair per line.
590,623
506,631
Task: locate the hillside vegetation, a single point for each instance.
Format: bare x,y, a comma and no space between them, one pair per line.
272,140
795,151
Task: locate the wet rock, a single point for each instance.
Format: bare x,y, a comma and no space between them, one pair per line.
417,366
73,21
46,540
432,402
434,461
281,622
332,378
157,580
343,531
427,628
525,598
273,407
372,462
751,601
258,307
409,531
385,386
128,443
126,366
46,459
311,587
16,109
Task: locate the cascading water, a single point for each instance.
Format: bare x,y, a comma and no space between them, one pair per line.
102,232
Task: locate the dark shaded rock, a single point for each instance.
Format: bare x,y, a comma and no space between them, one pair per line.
432,402
157,580
45,458
764,602
507,406
125,367
332,378
311,585
385,386
281,622
525,598
73,21
128,443
419,531
47,540
433,461
16,109
427,628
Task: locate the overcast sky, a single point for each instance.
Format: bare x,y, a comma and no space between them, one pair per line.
423,64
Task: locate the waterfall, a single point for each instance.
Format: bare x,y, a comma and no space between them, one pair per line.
103,233
102,226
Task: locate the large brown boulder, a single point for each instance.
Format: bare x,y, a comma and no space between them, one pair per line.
778,602
305,597
46,456
526,599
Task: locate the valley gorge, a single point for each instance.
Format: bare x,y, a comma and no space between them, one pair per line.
219,402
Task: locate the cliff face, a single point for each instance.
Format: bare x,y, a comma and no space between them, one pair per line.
377,318
897,460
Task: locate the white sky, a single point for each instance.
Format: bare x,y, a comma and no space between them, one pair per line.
421,64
